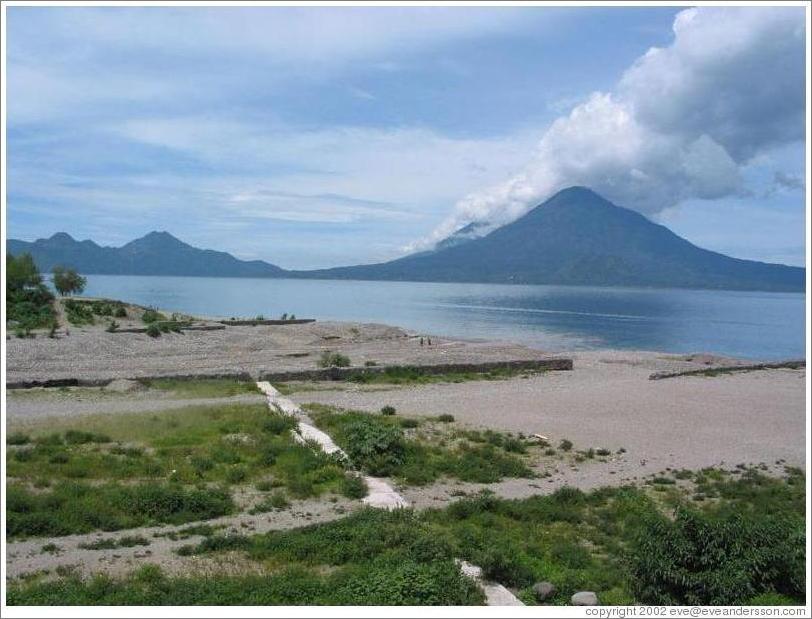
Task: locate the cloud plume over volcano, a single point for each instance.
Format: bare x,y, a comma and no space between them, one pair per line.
680,124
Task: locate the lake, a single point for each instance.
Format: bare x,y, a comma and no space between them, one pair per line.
757,325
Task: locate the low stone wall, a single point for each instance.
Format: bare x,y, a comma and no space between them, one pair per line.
532,365
254,323
793,365
83,382
189,328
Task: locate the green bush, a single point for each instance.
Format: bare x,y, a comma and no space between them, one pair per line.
277,500
445,418
78,437
17,438
377,448
333,360
565,445
151,315
353,487
120,312
278,423
153,330
78,312
388,410
709,559
29,303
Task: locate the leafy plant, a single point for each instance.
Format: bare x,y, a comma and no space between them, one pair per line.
333,360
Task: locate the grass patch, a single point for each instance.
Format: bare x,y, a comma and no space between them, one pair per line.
744,547
191,447
203,387
80,508
378,446
386,583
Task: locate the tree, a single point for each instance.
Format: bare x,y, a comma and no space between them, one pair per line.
21,273
67,281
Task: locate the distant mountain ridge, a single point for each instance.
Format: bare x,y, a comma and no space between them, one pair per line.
574,238
157,253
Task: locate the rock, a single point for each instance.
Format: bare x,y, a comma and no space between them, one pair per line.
544,590
123,386
584,598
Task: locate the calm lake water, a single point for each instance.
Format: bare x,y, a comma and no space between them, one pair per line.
755,325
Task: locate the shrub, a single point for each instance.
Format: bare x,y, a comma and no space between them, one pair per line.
708,559
152,315
153,330
565,445
388,410
277,500
120,312
333,360
236,474
278,423
78,312
409,423
377,448
79,437
445,418
112,327
17,438
505,566
353,487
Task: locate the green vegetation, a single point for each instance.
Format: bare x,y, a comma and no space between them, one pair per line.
68,281
745,545
151,315
128,541
277,500
353,487
202,387
73,507
418,375
84,311
384,583
333,360
388,410
378,446
29,303
189,450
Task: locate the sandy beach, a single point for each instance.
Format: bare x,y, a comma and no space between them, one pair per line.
607,401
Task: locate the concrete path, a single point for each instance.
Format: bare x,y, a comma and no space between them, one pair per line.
495,594
381,494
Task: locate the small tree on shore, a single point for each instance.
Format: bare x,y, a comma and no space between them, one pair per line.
68,281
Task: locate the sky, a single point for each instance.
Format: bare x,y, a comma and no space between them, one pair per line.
315,137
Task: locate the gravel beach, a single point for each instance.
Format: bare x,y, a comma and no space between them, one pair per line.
92,353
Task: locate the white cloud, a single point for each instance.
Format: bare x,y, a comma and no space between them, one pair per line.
680,125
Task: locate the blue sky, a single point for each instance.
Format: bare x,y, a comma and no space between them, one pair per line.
313,137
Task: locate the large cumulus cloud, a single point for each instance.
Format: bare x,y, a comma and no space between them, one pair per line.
680,124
